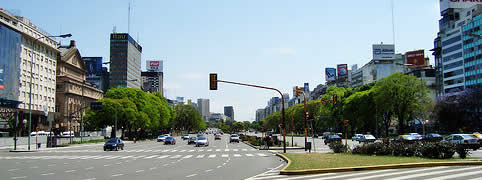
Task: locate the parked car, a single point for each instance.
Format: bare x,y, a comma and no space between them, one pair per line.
356,137
202,141
406,138
326,134
114,144
367,138
332,138
467,140
234,138
416,135
170,140
184,137
479,137
217,137
161,138
191,140
433,137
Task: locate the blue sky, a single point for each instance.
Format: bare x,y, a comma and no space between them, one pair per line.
274,43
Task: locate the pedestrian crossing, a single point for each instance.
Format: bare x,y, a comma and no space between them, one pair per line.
162,156
153,150
432,173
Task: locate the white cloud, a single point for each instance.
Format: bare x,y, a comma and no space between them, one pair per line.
280,51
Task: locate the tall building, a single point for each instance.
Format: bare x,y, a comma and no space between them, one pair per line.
27,55
125,61
153,78
203,107
229,112
73,93
96,74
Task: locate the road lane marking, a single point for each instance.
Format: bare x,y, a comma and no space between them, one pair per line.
165,150
434,173
226,150
156,150
150,157
245,150
225,155
191,175
69,171
91,179
208,170
152,168
162,157
263,155
176,156
118,163
89,168
21,177
192,150
183,150
212,155
235,149
219,166
50,165
218,149
150,150
46,174
224,164
115,175
139,171
188,156
209,150
165,165
112,157
34,167
201,150
174,150
237,155
107,165
200,156
249,155
125,157
13,169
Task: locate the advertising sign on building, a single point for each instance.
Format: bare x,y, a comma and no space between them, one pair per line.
10,48
330,74
155,65
383,51
93,66
417,58
446,4
342,70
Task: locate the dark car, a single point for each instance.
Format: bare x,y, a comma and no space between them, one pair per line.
217,137
332,138
114,144
433,137
170,140
191,140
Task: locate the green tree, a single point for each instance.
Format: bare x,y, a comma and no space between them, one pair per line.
187,118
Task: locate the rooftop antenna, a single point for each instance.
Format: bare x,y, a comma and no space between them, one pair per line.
129,18
60,41
393,23
114,29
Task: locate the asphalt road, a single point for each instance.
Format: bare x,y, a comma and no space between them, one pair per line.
143,160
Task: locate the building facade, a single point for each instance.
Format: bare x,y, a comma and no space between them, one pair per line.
73,93
152,81
96,74
27,55
229,112
203,108
125,61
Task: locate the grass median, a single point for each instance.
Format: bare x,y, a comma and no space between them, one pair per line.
88,141
305,161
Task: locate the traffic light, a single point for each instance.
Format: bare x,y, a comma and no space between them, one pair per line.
297,91
213,81
334,99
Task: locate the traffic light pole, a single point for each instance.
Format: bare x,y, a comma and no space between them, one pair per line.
283,123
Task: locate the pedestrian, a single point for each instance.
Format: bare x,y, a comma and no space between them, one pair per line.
134,140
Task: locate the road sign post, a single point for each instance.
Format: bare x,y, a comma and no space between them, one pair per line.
345,122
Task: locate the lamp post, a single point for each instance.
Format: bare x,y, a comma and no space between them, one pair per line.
30,91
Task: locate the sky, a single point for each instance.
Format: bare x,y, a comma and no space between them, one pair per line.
274,43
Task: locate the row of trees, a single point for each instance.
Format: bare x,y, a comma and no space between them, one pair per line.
135,109
390,101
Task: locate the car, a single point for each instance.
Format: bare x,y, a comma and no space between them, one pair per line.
416,135
191,140
161,138
234,138
367,138
184,137
326,134
217,137
432,137
114,144
479,137
356,137
332,138
199,135
468,140
202,141
170,140
406,138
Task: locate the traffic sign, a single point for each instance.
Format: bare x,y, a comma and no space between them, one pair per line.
345,122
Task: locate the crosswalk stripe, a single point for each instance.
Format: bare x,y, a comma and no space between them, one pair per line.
237,155
218,149
260,154
201,150
150,150
477,178
165,150
192,150
200,156
125,157
249,155
235,149
150,157
183,150
188,156
380,173
162,157
158,150
176,156
225,155
268,177
226,150
212,155
307,177
138,157
245,150
438,172
140,150
453,176
174,150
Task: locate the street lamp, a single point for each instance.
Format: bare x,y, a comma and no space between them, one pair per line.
30,91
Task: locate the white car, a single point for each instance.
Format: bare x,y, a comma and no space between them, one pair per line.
367,138
202,141
234,138
418,136
466,139
161,138
356,137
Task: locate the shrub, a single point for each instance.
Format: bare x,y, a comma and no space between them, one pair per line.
372,148
338,147
462,151
447,150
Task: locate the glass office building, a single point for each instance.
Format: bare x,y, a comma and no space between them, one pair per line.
125,61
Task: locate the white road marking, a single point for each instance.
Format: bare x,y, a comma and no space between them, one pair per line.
208,170
34,167
89,168
237,155
118,163
161,157
412,175
150,150
139,171
91,179
115,175
192,150
218,149
200,156
188,156
152,168
13,169
46,174
157,150
235,149
263,155
69,171
107,165
245,150
225,155
201,150
209,150
226,150
191,175
165,165
219,166
51,165
125,157
176,156
174,150
249,155
22,177
212,155
183,150
150,157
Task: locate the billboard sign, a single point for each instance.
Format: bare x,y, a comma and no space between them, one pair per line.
93,65
417,58
330,74
342,70
446,4
10,48
154,65
383,51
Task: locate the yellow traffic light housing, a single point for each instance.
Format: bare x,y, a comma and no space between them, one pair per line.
213,81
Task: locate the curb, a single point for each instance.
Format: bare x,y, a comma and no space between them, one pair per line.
250,145
18,151
361,168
